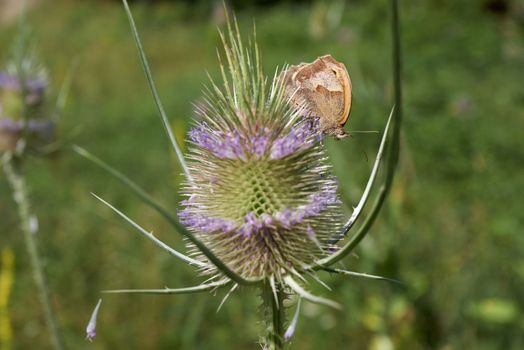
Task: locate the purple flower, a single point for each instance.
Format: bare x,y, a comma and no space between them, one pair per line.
259,144
223,145
235,144
299,137
44,128
10,125
287,217
204,223
11,81
254,224
317,202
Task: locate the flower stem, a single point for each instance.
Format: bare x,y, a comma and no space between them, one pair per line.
397,83
14,175
273,307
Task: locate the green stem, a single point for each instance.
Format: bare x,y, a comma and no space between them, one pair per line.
273,307
397,83
12,169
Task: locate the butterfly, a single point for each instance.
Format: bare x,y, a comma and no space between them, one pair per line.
323,89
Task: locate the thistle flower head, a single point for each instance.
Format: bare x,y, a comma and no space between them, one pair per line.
261,194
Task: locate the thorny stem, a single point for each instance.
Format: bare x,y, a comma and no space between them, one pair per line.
275,315
14,175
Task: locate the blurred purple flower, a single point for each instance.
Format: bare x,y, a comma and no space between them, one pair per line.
44,128
11,81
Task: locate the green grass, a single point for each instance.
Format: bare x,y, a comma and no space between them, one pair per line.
452,229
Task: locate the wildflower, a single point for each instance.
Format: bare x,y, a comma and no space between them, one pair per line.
22,112
18,97
261,195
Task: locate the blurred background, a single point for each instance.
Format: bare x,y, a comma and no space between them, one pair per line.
452,229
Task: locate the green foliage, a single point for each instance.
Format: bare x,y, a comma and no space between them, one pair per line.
453,229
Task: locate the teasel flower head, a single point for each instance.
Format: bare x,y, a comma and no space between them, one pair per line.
23,110
261,195
19,90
